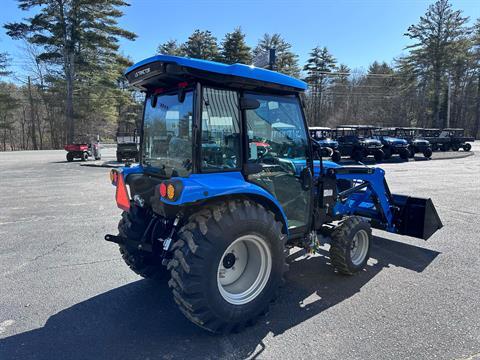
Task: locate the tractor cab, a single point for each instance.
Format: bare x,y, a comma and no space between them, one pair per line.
205,121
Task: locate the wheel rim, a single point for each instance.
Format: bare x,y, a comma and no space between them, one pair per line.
359,248
244,269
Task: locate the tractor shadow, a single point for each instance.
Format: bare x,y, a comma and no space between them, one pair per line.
140,320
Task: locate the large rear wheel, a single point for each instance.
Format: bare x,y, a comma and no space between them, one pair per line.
228,264
132,227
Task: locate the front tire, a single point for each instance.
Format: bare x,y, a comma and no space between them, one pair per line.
357,155
228,264
388,152
69,157
467,147
350,245
379,155
428,153
404,154
336,156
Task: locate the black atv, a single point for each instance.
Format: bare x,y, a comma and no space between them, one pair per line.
356,141
128,146
324,136
415,142
392,145
458,140
432,135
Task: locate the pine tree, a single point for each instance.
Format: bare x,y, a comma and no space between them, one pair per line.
436,35
170,47
286,60
318,65
201,45
234,48
73,34
3,64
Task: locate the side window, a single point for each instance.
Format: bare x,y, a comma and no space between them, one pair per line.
220,130
276,130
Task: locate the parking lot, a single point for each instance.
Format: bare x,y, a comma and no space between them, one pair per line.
65,293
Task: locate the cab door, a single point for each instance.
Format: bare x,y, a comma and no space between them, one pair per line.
277,141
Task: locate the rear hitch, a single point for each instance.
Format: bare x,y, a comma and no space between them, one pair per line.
115,239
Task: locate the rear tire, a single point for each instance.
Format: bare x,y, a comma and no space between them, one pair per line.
455,147
132,226
204,282
69,157
467,147
336,156
350,245
84,157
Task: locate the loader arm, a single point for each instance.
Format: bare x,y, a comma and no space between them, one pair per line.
370,197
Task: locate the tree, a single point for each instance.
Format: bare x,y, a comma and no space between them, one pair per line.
318,66
234,48
73,35
3,64
201,45
286,60
435,36
170,47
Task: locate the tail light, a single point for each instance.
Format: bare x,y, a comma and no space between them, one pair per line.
114,177
170,190
121,196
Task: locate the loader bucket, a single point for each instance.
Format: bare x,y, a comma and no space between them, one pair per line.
415,217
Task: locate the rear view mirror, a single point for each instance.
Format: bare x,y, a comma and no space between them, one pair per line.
249,104
181,95
153,100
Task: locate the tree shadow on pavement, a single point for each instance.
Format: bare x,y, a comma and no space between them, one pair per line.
140,320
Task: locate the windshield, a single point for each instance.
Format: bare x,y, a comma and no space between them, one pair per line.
167,135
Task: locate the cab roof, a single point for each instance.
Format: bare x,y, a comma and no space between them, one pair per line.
164,70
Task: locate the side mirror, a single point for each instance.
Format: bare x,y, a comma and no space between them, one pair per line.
249,104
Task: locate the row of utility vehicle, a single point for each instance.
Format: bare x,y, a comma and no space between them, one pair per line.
361,141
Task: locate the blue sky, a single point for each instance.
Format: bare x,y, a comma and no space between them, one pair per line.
356,32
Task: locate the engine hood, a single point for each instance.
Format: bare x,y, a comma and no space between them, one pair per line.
394,141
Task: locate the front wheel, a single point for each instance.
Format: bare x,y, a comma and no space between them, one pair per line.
84,157
226,272
379,155
428,153
388,152
69,157
404,154
357,155
336,156
350,245
467,147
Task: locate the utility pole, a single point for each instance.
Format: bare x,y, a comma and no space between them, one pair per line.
449,98
32,116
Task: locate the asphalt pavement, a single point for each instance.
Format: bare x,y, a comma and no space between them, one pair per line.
65,293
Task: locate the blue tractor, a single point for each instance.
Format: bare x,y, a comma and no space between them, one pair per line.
229,180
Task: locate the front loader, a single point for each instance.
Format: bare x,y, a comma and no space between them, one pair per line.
214,213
